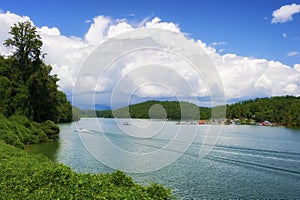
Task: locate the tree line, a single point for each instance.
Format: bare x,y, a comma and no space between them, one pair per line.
284,110
172,110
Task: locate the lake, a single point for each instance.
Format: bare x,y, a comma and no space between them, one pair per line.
196,161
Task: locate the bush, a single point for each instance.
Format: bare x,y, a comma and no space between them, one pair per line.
25,176
156,191
10,138
119,178
51,129
19,130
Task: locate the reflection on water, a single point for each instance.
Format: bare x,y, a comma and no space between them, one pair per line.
246,161
50,149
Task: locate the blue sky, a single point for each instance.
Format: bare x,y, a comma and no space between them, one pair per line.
255,45
244,26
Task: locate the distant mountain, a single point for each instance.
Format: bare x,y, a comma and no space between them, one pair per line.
102,107
93,107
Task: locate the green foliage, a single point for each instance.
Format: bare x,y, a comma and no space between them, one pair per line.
205,113
92,113
156,191
118,178
26,86
75,113
51,129
25,176
283,110
155,109
173,109
18,131
5,93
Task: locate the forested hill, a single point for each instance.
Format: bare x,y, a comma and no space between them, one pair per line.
172,110
283,110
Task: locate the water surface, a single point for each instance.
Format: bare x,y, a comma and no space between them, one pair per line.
245,161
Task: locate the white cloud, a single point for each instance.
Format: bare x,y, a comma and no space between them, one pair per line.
119,28
98,29
7,19
218,43
297,67
243,77
291,88
284,35
292,53
157,23
49,31
285,13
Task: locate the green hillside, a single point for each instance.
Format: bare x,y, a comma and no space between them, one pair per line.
284,110
172,110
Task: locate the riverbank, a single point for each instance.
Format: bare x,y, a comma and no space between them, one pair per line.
27,176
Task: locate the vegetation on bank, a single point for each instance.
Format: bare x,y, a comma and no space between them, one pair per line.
30,105
30,102
19,130
30,176
284,110
26,86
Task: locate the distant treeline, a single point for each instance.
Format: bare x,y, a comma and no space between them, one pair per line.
284,110
172,110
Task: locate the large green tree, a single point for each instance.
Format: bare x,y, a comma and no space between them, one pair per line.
26,45
27,87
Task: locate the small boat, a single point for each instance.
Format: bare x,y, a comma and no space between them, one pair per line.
126,123
81,130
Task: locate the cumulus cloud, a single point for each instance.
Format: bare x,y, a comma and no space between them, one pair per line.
243,77
7,19
157,23
297,67
285,13
98,29
49,31
246,77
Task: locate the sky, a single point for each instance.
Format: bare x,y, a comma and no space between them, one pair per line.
255,44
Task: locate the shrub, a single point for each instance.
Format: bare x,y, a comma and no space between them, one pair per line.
119,178
25,176
19,130
156,191
51,129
